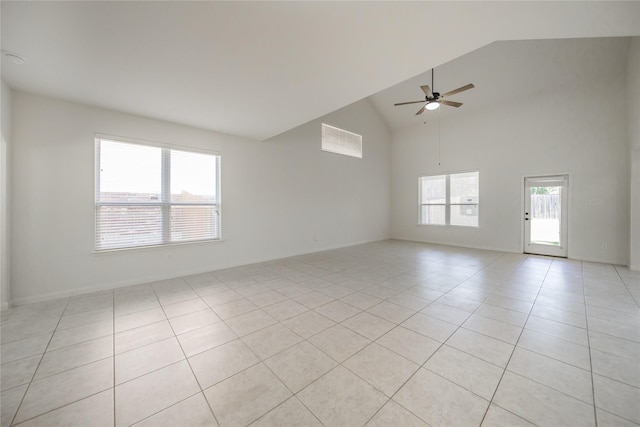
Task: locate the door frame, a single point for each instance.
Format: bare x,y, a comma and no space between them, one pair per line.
523,183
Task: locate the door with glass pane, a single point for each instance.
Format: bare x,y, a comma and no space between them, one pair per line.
545,215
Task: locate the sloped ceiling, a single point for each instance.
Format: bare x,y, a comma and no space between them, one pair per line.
257,69
507,72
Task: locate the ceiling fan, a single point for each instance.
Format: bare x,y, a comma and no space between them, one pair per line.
434,99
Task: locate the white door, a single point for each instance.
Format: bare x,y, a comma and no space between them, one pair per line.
545,215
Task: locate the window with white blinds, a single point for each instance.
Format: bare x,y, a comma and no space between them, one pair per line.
150,195
340,141
451,199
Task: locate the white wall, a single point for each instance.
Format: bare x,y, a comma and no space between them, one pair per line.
5,131
281,197
579,128
633,77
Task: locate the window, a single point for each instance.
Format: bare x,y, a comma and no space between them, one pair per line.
451,199
340,141
151,195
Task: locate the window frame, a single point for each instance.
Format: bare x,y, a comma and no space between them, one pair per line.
164,201
447,204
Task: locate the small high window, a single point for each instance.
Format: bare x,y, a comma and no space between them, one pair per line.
340,141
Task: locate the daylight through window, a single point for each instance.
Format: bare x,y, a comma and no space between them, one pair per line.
150,195
451,199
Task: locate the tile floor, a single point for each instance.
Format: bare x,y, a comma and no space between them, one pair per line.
384,334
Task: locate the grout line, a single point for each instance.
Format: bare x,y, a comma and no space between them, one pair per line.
517,341
38,366
586,315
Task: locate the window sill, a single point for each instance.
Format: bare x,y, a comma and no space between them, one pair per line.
165,245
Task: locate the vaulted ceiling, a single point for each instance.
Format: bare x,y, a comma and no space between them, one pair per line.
257,69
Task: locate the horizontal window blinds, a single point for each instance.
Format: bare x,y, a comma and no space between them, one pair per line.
147,195
340,141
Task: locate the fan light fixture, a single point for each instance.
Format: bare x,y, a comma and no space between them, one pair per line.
434,105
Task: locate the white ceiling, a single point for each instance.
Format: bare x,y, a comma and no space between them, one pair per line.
257,69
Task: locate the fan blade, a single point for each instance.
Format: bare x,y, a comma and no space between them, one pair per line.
460,89
410,102
420,111
427,91
450,103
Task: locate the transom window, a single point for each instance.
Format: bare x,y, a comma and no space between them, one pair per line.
148,195
451,199
340,141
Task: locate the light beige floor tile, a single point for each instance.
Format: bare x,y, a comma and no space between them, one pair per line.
144,335
392,312
71,336
336,291
338,311
19,372
300,365
562,316
614,345
151,393
361,300
481,346
66,358
340,398
381,368
446,313
608,419
143,360
203,339
409,344
473,374
74,320
234,308
540,404
271,340
441,402
393,414
192,412
339,342
498,417
267,298
176,297
250,322
558,330
223,297
285,310
10,400
558,375
431,327
246,396
16,350
556,348
184,307
61,389
95,411
308,324
495,312
368,325
220,363
291,413
134,320
615,367
499,330
313,299
192,321
618,398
